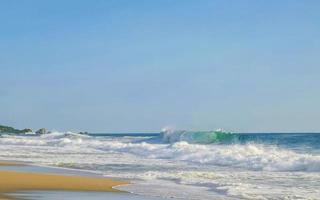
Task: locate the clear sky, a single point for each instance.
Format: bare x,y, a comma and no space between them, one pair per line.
114,66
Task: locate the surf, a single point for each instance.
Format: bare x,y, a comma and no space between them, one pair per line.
197,137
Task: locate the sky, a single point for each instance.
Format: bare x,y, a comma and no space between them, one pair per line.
140,66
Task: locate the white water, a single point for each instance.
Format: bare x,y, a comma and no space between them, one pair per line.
178,169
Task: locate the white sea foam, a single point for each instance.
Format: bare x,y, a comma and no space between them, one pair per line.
248,156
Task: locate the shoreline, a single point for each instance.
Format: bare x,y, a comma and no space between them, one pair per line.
16,181
10,163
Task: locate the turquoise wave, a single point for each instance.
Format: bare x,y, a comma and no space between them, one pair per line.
198,137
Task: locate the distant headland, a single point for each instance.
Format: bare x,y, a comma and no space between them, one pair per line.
26,131
8,129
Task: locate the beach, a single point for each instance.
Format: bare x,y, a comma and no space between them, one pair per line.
174,164
15,181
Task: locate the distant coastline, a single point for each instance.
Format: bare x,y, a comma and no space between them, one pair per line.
8,129
27,131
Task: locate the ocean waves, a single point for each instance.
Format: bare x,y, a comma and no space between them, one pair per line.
198,137
250,156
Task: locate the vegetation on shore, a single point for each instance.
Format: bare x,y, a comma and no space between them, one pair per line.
8,129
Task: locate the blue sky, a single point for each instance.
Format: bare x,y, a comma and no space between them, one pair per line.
142,65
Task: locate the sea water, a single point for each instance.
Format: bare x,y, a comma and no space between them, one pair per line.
185,164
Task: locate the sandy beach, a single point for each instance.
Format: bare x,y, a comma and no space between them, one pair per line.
12,181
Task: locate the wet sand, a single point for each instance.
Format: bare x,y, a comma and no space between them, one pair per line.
13,181
8,163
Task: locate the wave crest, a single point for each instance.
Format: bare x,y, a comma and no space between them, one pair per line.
197,137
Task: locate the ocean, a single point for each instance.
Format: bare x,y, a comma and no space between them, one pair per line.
184,164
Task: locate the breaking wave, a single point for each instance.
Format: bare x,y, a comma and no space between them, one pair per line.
197,137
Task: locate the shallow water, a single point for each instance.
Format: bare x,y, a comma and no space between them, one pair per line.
68,195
